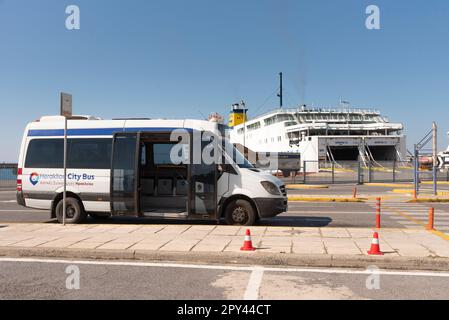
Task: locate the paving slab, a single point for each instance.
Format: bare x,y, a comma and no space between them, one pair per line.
229,230
148,229
179,245
335,233
85,245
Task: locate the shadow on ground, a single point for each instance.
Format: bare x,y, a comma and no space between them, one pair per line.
276,222
297,221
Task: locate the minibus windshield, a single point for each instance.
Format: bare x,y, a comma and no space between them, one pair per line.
237,156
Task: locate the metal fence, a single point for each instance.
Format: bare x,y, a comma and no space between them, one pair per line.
8,175
317,172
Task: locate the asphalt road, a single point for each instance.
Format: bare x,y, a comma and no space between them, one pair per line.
46,279
300,214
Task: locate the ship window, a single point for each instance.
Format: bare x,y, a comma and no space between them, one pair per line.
240,131
278,118
290,123
253,126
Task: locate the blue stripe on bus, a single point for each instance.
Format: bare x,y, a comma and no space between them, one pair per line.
94,131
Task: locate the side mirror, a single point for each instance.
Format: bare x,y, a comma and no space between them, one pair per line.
263,163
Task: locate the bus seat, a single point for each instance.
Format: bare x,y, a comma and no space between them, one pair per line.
165,187
181,187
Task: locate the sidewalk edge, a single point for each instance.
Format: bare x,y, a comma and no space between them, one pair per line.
266,259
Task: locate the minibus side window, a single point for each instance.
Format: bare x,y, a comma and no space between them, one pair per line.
45,153
82,153
161,153
89,153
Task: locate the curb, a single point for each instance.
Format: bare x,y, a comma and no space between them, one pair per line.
277,259
444,183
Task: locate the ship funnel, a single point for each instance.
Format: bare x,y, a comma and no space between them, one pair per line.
238,114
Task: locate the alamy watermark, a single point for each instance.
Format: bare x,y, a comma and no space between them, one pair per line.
72,281
372,22
373,280
209,148
73,20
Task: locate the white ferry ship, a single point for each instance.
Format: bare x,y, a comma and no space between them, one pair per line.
443,158
321,135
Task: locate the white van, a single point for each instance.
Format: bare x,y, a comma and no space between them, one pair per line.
125,167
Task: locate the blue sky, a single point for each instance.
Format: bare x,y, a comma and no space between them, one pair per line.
178,59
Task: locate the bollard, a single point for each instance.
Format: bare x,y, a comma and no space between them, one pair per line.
378,200
354,193
430,225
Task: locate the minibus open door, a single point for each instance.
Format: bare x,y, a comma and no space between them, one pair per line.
124,174
203,186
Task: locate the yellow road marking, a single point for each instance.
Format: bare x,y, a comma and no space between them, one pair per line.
435,232
306,187
325,199
440,234
392,185
410,191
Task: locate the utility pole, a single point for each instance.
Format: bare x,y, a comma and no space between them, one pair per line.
281,93
243,105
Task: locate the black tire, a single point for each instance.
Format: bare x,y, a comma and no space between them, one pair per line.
74,211
99,216
240,212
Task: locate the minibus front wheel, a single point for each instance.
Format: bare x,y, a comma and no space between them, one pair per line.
240,212
74,211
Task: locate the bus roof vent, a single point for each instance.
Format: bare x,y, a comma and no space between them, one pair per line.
60,118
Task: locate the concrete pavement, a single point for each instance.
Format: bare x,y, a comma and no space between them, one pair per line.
99,280
404,248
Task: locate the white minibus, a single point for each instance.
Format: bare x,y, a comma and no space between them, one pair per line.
126,167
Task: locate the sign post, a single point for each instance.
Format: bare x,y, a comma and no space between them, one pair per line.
66,112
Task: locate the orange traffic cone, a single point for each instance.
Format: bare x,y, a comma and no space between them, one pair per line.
247,244
375,247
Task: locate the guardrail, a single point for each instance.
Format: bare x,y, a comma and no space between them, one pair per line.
8,175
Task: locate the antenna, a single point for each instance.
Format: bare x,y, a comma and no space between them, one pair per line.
281,93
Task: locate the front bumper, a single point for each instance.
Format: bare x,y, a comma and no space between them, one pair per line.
271,207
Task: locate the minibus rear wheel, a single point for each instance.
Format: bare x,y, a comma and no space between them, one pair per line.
240,212
74,211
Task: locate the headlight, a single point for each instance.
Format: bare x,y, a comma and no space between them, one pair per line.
270,187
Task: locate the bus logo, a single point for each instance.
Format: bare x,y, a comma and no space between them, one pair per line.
34,178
